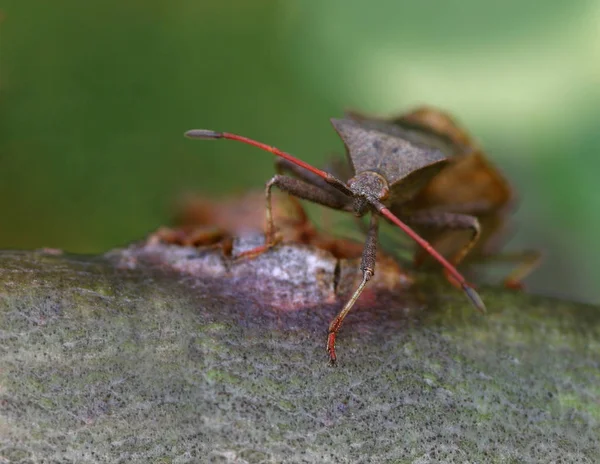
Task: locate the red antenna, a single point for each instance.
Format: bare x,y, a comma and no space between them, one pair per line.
210,135
469,290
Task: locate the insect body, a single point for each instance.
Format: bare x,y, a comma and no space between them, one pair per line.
462,210
388,171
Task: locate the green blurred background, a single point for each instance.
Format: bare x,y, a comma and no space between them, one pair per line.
95,96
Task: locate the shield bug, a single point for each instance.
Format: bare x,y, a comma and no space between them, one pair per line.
388,171
468,193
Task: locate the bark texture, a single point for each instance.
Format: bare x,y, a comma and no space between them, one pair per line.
168,354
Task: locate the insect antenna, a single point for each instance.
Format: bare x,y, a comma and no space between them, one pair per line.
468,289
211,135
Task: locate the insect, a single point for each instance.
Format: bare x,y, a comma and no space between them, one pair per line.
469,185
389,169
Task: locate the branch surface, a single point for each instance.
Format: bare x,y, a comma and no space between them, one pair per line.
163,353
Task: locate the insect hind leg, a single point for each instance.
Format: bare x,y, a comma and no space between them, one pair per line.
444,221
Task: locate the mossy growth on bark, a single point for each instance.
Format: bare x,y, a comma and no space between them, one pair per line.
169,354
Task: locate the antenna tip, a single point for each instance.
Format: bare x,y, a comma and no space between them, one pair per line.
203,134
475,298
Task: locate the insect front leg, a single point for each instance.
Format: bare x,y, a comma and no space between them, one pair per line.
283,166
367,266
300,189
444,221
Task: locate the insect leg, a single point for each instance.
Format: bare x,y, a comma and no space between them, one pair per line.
526,262
443,221
300,189
367,266
283,166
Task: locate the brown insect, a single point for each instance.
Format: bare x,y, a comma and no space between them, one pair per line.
389,171
469,191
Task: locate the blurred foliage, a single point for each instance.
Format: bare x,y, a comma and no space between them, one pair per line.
95,97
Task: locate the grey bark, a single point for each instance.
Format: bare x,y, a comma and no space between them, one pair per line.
172,355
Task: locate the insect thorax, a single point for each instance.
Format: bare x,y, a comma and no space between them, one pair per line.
368,187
